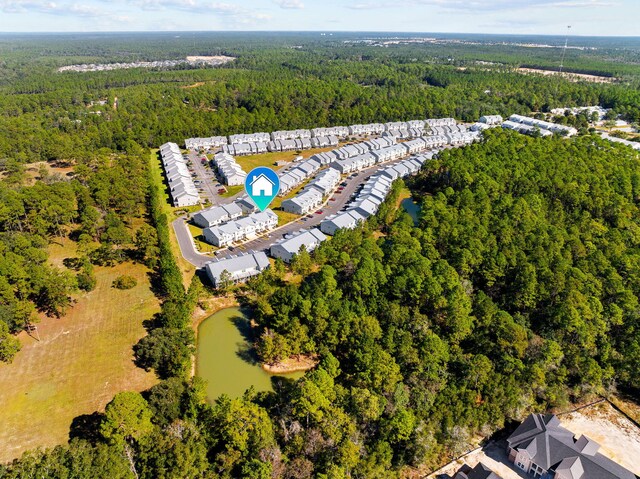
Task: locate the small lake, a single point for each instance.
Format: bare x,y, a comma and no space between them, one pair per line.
412,208
225,358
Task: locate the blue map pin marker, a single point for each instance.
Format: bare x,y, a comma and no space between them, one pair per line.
262,185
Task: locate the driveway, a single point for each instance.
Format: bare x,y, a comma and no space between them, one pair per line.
493,455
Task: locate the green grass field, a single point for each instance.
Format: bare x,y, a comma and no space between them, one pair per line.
250,162
81,361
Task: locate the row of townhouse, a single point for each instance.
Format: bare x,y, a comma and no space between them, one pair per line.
492,120
249,148
249,138
338,131
230,171
294,176
543,125
431,122
525,129
290,134
360,162
219,214
240,229
590,110
292,244
372,194
311,197
205,143
447,129
237,268
304,202
404,133
402,129
633,144
183,190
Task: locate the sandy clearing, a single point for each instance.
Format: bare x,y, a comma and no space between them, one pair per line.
618,437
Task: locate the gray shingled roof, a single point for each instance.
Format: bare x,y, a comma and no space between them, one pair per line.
549,444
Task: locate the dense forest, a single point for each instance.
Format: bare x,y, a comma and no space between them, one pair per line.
523,270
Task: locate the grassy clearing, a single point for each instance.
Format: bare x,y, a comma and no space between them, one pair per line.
250,162
81,362
198,238
232,191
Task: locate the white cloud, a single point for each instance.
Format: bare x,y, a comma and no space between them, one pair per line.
484,5
52,8
289,4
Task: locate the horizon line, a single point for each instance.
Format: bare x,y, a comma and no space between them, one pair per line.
56,32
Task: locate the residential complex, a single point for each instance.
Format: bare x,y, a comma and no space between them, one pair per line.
543,125
181,186
205,143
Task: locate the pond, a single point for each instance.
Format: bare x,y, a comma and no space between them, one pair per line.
225,358
412,208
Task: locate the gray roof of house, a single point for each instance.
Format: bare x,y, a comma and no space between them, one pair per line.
251,261
549,444
307,238
481,472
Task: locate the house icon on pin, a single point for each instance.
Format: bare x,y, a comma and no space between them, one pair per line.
261,186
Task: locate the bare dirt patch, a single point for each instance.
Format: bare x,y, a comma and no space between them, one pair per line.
568,75
618,437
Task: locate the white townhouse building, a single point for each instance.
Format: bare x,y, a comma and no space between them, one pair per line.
216,215
325,181
250,138
304,202
240,268
491,120
340,132
205,143
431,122
366,130
346,220
240,229
182,189
290,245
290,134
230,171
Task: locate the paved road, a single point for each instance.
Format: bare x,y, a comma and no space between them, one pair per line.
187,246
262,243
207,179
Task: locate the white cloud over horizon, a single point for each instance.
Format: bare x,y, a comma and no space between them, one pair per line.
588,17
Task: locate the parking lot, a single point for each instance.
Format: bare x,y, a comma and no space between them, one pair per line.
208,185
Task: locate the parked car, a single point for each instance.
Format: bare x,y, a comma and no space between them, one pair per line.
319,212
221,191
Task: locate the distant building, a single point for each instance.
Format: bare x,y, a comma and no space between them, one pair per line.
239,268
541,447
491,119
205,143
290,245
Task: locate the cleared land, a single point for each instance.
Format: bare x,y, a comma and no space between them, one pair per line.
81,362
618,437
569,75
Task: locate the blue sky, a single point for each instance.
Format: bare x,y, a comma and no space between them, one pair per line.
587,17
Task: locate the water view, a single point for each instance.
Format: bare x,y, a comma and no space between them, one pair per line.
225,358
